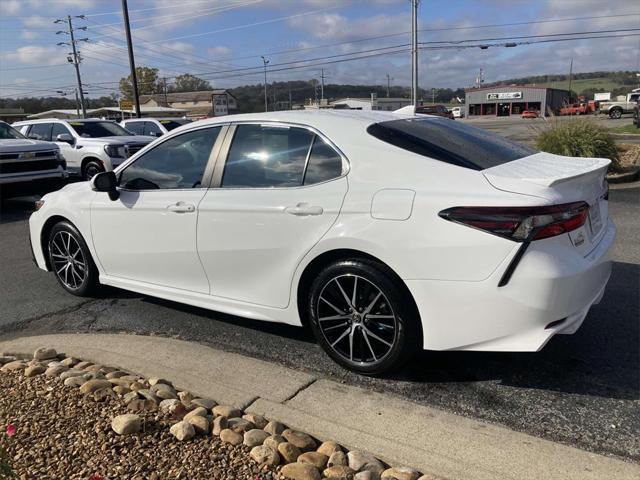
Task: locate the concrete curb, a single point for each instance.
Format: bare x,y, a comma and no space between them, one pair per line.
624,177
388,427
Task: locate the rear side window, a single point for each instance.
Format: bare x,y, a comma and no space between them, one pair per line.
152,129
263,156
324,163
40,131
135,127
450,142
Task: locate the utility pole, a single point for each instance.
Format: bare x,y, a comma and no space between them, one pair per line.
433,96
322,85
414,52
275,107
132,62
264,64
570,78
290,104
75,58
388,84
164,82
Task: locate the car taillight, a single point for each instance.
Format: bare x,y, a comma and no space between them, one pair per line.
521,223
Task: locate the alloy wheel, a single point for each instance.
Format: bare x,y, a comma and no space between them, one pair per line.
69,262
356,319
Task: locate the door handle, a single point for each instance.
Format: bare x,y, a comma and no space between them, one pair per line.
304,209
182,207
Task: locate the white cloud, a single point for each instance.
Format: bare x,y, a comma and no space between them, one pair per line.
29,35
35,55
10,7
220,50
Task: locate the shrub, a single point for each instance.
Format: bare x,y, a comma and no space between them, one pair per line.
579,138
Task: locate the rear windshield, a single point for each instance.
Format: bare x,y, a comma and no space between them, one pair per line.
98,129
450,141
171,124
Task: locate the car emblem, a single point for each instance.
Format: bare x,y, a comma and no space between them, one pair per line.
26,156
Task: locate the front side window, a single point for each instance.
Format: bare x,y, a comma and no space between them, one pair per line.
264,156
135,127
8,132
152,129
40,131
179,162
98,129
59,129
450,142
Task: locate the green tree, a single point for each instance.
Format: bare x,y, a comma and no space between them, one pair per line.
147,83
189,83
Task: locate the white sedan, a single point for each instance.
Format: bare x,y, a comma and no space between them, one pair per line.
383,233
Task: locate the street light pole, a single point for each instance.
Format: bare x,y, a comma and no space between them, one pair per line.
414,52
388,84
132,63
264,64
76,63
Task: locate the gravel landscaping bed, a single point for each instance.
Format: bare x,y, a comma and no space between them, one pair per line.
63,418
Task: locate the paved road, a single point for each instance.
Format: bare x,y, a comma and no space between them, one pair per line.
526,130
582,389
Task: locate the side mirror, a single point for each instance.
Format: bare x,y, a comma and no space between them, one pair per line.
106,182
66,138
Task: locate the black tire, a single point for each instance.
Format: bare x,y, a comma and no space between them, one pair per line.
357,341
91,168
615,113
70,260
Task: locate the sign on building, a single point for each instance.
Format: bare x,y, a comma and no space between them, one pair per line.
504,96
126,105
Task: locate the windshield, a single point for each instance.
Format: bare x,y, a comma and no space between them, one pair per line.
171,124
8,132
98,129
450,142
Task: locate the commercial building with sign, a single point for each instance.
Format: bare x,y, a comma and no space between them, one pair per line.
513,100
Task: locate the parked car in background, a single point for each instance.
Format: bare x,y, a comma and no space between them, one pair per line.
438,110
28,166
458,112
530,114
89,146
154,127
573,109
306,218
617,109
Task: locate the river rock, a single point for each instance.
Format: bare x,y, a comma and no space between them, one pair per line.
255,437
240,425
337,459
120,390
219,424
226,411
317,459
76,381
328,448
273,441
70,362
258,420
300,471
200,424
300,439
7,359
289,452
264,455
126,424
157,381
229,436
204,402
54,371
44,353
400,473
275,428
34,370
115,374
91,386
183,431
339,472
364,461
13,366
196,412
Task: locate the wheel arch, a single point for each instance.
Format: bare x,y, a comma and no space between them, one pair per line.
330,256
90,158
45,232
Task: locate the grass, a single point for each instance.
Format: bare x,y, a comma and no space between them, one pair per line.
583,84
579,138
628,129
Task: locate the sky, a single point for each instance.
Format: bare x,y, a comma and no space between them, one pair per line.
223,41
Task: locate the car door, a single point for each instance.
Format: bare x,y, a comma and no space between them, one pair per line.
69,152
149,233
277,191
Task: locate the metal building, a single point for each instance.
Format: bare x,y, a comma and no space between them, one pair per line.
503,101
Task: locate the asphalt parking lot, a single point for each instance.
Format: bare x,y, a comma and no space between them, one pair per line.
581,389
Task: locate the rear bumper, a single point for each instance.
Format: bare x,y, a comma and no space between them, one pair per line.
553,283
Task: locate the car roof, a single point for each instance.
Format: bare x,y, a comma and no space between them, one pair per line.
49,120
153,118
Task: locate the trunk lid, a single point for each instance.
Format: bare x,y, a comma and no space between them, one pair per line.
558,180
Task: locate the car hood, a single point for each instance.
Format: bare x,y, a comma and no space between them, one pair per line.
119,140
18,145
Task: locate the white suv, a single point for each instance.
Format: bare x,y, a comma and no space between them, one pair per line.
89,146
155,127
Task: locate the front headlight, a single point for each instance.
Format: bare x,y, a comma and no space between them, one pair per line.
115,151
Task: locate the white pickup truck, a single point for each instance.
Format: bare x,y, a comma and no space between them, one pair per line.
90,146
616,109
28,166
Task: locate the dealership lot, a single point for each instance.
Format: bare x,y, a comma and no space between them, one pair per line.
581,389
